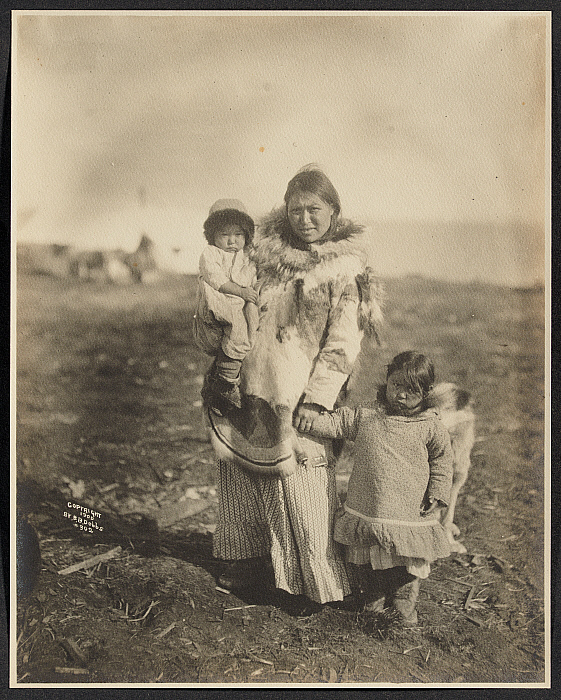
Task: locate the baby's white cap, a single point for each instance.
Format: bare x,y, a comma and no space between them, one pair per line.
221,204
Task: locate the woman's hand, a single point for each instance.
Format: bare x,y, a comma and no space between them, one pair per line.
249,294
304,416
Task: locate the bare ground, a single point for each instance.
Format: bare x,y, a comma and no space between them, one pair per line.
109,417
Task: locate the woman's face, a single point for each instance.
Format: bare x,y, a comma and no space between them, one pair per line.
309,216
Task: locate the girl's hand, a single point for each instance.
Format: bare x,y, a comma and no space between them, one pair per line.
431,505
305,415
249,294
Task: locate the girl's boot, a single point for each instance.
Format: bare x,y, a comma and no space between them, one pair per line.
367,587
404,602
375,593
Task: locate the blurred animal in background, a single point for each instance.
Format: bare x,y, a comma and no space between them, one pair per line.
97,265
28,555
456,412
142,263
87,264
49,259
100,266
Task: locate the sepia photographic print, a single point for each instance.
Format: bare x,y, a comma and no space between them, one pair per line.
280,329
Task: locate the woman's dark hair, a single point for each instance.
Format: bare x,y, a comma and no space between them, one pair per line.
418,370
219,219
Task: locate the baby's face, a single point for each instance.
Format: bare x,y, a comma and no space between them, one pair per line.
230,238
400,396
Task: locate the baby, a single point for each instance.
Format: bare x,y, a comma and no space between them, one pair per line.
226,317
402,476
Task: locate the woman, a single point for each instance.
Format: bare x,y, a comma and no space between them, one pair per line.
316,300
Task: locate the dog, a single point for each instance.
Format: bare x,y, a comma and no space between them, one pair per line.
455,407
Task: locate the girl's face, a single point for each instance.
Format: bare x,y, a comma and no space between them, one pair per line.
309,216
230,238
400,396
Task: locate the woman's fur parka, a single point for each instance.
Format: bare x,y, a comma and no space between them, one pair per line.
316,302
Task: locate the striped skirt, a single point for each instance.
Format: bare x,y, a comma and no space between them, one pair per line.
289,519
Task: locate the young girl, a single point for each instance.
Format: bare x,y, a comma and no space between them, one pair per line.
226,315
402,476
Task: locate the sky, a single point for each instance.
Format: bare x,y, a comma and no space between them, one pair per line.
431,126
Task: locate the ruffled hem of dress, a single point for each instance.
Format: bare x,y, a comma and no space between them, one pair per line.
427,542
378,558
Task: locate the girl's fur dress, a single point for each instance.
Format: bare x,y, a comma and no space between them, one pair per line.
399,462
316,302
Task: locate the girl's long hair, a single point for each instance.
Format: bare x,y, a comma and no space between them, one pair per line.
418,370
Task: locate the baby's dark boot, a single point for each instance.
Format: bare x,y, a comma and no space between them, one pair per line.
226,395
219,394
206,390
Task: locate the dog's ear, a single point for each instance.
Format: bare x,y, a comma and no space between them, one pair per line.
463,398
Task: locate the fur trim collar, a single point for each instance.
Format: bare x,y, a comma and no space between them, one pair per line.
279,255
279,252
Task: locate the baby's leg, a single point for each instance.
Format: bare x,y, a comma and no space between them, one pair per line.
207,329
251,314
227,368
235,342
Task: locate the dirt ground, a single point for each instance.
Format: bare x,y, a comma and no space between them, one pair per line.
109,418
